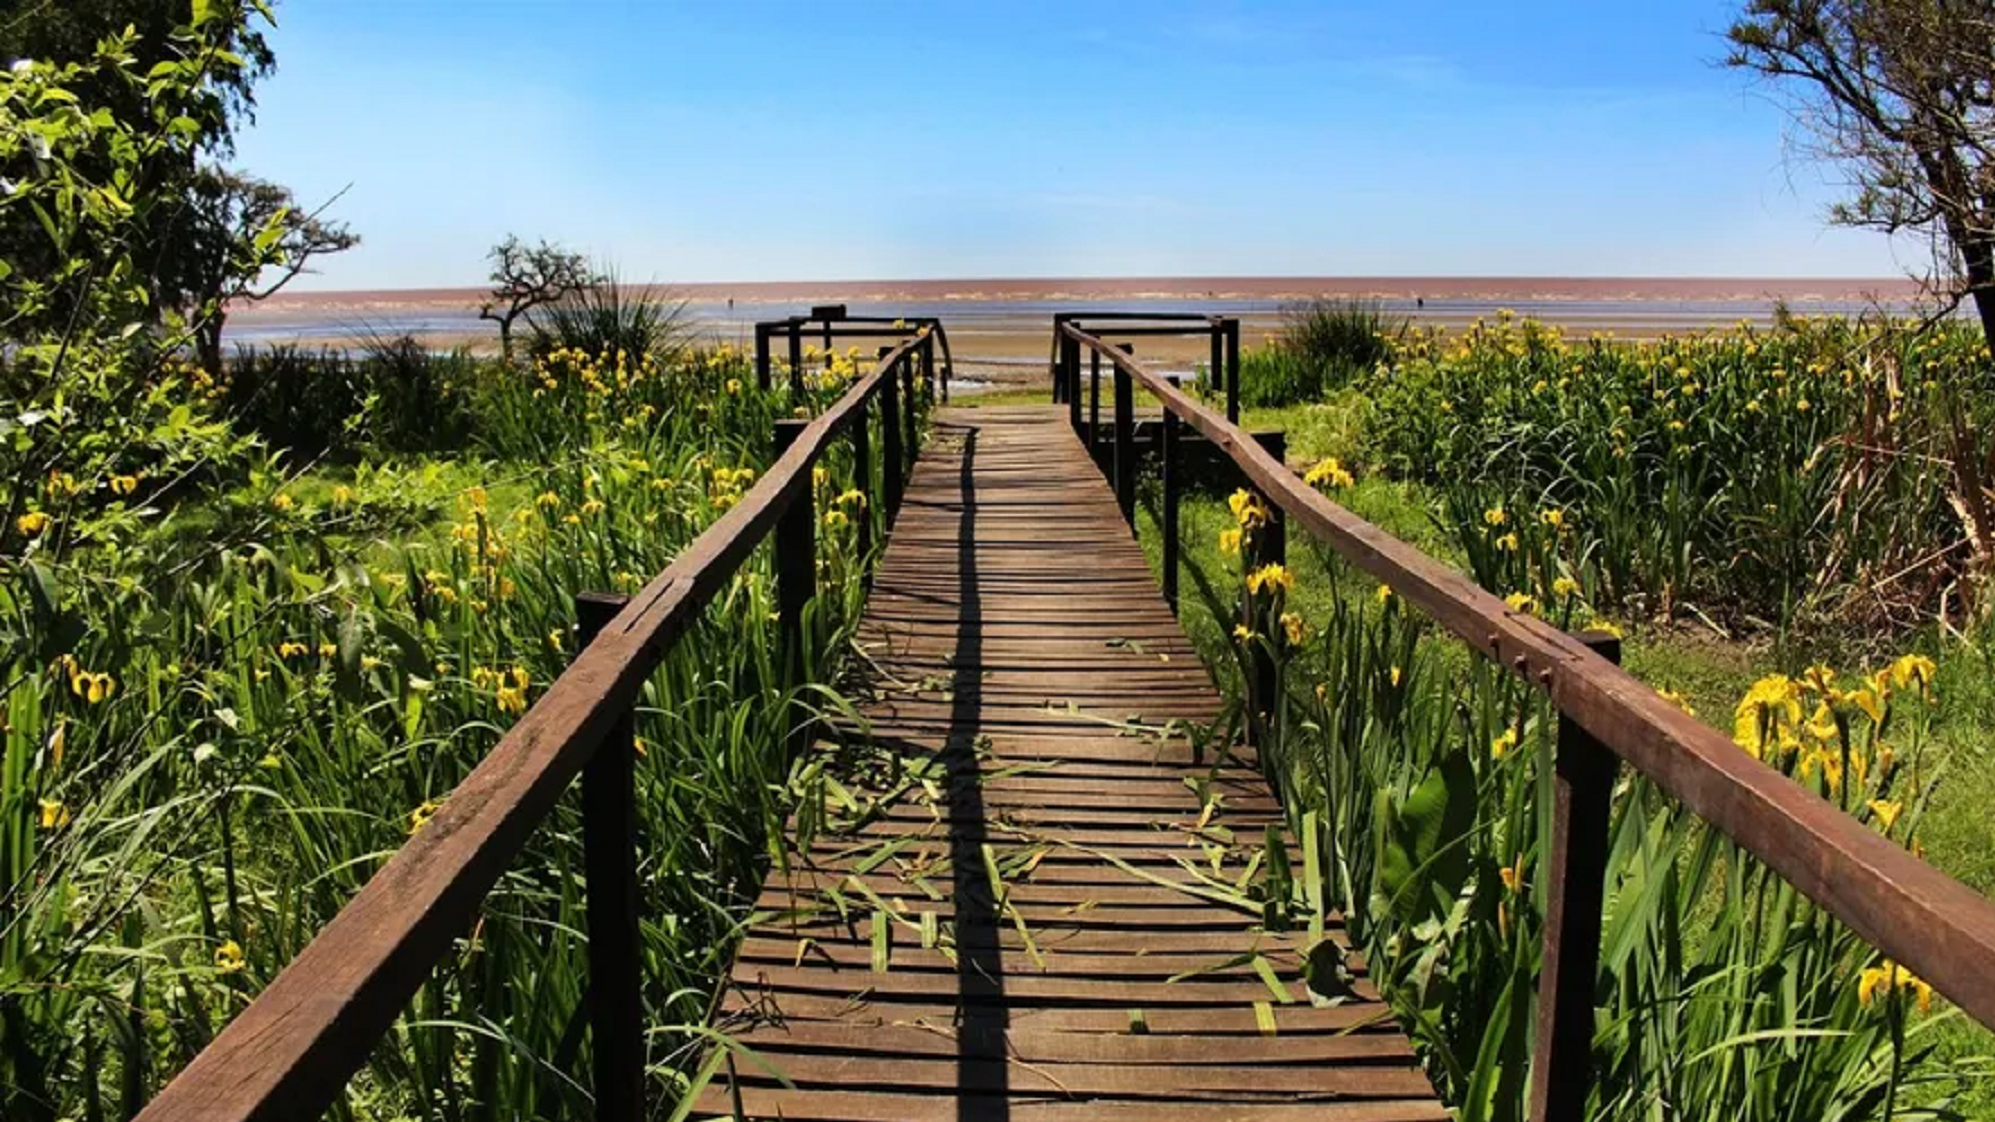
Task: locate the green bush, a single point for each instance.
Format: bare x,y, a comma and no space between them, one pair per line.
1323,346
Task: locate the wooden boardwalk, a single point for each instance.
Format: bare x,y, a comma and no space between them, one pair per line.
1025,913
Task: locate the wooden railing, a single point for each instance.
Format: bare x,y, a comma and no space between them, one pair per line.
831,322
1926,921
290,1053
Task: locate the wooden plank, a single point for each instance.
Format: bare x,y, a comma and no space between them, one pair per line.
1026,623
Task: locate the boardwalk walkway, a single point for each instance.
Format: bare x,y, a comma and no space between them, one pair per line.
1025,914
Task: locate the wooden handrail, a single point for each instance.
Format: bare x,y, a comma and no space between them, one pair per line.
1925,920
289,1054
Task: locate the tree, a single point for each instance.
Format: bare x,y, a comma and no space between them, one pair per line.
1901,95
226,214
525,277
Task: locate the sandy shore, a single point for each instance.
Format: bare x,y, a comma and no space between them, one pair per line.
1000,328
1025,290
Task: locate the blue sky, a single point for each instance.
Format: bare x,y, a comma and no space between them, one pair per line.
729,140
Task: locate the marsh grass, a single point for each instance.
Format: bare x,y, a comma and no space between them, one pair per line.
221,721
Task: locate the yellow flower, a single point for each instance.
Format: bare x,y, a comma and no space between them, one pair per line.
854,497
328,650
92,688
1772,707
1507,543
1565,588
1395,675
1247,509
475,498
554,640
1292,624
1521,603
31,523
511,700
1911,670
1269,576
1384,593
228,957
834,519
124,484
419,817
734,385
1328,471
1513,876
292,650
592,506
342,495
1605,628
547,500
1495,516
1887,812
1554,518
1241,633
1882,979
1229,541
1866,699
1502,745
54,815
1678,700
281,501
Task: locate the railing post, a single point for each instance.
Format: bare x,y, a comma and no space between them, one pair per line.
609,862
1094,403
862,473
928,368
761,356
1070,370
796,577
1215,378
1167,453
910,405
1233,371
796,359
1125,447
1575,883
1270,548
890,443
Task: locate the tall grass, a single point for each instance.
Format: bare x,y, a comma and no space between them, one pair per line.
1828,471
1421,776
1323,345
214,738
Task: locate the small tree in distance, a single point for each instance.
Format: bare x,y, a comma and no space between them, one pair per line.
525,277
1901,95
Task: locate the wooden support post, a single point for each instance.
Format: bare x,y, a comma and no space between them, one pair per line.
892,480
761,356
1215,374
1094,403
609,861
862,477
796,581
911,404
1070,371
1233,371
1125,447
928,369
1575,881
1167,452
796,359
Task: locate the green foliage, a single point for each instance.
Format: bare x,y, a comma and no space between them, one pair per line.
621,324
1422,775
1324,346
1827,470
